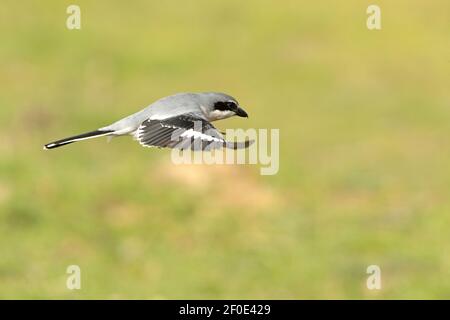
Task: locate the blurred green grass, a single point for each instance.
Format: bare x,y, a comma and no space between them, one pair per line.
364,174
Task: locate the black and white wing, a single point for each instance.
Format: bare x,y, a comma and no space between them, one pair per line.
184,132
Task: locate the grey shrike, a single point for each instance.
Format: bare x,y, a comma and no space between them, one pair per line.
179,121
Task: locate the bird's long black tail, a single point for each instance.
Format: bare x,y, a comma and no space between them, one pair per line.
80,137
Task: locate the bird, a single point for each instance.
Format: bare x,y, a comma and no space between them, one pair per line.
182,121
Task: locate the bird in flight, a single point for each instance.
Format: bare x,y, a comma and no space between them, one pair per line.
179,121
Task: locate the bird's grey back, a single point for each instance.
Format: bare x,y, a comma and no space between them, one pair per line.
170,106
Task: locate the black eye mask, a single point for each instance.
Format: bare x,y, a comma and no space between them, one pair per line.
225,106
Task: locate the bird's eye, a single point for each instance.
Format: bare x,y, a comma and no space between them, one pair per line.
231,105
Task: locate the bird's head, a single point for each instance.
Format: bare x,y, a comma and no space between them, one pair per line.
219,106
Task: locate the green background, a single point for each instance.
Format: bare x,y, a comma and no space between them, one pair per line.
364,150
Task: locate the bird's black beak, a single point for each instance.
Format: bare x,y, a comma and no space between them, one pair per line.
241,113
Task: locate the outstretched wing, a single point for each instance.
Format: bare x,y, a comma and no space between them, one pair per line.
184,132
